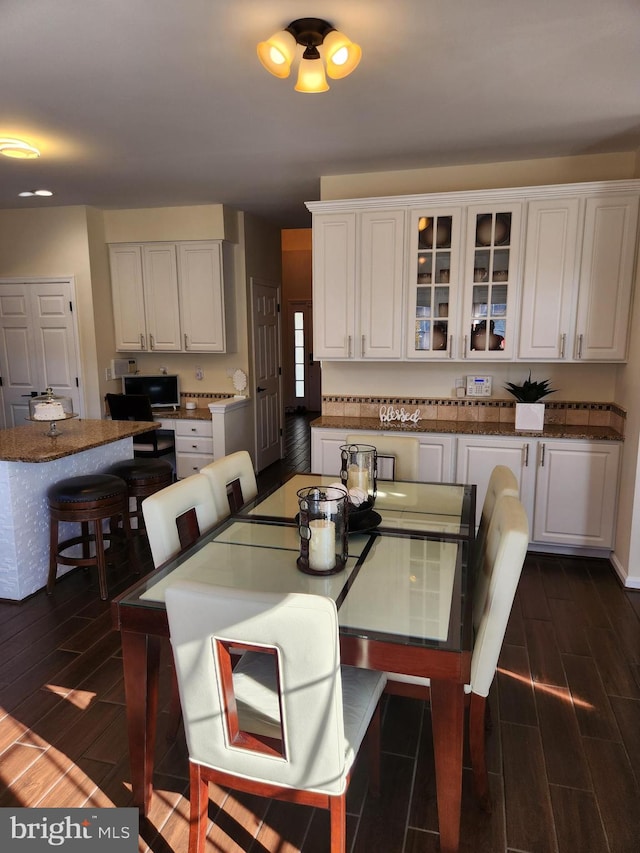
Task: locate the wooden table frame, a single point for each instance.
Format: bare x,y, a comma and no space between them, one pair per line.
142,630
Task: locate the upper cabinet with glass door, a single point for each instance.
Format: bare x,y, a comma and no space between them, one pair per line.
434,283
491,274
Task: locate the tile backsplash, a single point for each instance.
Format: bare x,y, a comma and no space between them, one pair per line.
487,411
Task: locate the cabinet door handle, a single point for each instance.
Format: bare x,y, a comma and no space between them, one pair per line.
195,446
542,449
450,346
349,347
563,340
464,349
151,342
526,455
186,341
579,346
142,344
362,350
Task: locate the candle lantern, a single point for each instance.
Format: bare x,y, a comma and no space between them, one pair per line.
323,530
360,471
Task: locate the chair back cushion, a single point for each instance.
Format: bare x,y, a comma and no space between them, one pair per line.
404,450
163,508
501,482
505,551
224,471
302,631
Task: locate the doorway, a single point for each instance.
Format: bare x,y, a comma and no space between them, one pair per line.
302,373
38,345
266,353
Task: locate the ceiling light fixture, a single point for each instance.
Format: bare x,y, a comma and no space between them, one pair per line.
18,149
340,54
29,193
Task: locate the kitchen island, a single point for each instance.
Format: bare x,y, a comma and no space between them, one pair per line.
30,462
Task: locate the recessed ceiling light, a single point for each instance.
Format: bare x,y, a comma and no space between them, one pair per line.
18,148
29,193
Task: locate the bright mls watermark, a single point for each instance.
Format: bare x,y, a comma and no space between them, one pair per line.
69,830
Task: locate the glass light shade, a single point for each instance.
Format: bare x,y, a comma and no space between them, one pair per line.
311,77
277,53
18,149
341,55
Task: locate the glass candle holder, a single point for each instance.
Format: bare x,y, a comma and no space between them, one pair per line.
323,530
360,470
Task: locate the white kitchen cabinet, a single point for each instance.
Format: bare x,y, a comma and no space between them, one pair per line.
568,487
194,446
578,278
436,452
476,457
549,284
434,284
491,281
171,297
358,273
161,304
128,298
576,493
606,278
204,297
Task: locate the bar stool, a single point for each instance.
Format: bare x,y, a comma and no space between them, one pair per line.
89,500
143,477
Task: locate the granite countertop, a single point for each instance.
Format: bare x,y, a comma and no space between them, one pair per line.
183,414
29,443
592,433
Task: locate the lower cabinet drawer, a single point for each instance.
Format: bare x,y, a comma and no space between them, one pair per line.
191,463
194,444
202,428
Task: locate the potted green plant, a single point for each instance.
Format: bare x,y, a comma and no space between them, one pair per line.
529,411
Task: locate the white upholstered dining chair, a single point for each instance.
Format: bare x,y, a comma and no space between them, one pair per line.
287,722
505,549
404,451
232,480
175,516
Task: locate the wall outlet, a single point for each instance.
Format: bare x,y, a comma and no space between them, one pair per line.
199,373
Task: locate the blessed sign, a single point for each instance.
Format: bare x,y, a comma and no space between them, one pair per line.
389,414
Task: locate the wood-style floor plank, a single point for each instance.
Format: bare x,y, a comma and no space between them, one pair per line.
577,821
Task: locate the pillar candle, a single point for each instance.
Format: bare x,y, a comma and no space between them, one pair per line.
322,545
358,478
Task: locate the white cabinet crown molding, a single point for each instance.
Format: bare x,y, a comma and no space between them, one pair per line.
584,188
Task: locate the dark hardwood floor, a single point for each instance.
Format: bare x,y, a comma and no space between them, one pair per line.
563,751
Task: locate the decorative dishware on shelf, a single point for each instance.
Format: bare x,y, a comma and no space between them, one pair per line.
51,408
360,471
323,529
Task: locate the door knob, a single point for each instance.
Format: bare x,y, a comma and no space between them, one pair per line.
259,389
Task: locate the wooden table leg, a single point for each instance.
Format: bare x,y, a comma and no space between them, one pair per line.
447,715
141,660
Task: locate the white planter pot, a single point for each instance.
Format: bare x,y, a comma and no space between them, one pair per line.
530,416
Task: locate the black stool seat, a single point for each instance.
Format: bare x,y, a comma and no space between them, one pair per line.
143,476
139,468
88,500
91,487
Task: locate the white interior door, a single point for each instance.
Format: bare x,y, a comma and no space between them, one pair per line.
265,301
37,345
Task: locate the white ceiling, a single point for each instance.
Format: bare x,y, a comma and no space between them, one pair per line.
138,103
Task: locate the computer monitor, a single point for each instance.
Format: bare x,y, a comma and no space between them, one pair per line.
162,390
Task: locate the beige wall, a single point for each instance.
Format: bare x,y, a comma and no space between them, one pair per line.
151,224
518,173
51,242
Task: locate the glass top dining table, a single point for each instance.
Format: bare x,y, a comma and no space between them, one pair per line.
404,605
